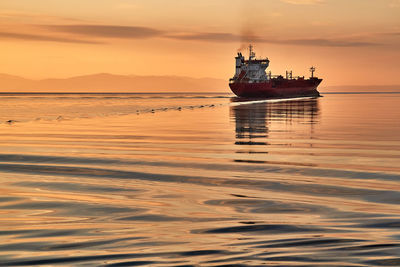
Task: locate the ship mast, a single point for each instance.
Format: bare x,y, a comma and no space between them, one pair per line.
251,53
312,69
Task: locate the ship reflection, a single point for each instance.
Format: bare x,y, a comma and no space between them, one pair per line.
256,122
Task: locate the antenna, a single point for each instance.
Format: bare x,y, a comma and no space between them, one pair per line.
312,69
251,53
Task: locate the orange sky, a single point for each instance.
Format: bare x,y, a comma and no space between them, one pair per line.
350,41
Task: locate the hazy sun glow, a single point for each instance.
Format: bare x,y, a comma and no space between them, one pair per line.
350,42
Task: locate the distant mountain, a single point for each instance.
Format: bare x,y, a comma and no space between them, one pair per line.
104,82
12,82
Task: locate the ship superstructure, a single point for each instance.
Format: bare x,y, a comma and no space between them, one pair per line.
252,80
251,70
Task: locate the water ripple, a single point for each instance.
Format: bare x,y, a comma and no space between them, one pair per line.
199,180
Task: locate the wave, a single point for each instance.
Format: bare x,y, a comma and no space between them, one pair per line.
204,181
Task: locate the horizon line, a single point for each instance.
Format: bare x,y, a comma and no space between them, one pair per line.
180,76
133,93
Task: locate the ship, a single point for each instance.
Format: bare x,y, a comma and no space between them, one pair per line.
252,81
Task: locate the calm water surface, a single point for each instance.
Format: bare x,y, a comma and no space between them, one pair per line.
199,180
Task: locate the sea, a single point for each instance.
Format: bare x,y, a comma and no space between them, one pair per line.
199,179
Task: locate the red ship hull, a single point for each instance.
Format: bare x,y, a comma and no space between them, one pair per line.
277,88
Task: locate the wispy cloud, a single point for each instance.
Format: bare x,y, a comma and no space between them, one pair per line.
391,33
34,37
215,37
327,42
229,37
107,31
101,34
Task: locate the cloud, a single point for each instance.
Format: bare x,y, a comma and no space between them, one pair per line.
107,31
99,34
229,37
214,37
391,33
34,37
303,2
326,42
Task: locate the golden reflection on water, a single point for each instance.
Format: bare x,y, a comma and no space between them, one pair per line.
292,123
226,182
253,121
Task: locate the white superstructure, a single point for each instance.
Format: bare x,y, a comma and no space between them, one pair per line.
251,70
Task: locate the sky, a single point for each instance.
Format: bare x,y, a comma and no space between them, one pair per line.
351,42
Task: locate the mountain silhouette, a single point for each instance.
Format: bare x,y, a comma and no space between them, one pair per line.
105,82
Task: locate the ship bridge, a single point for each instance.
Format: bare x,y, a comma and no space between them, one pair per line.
251,69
